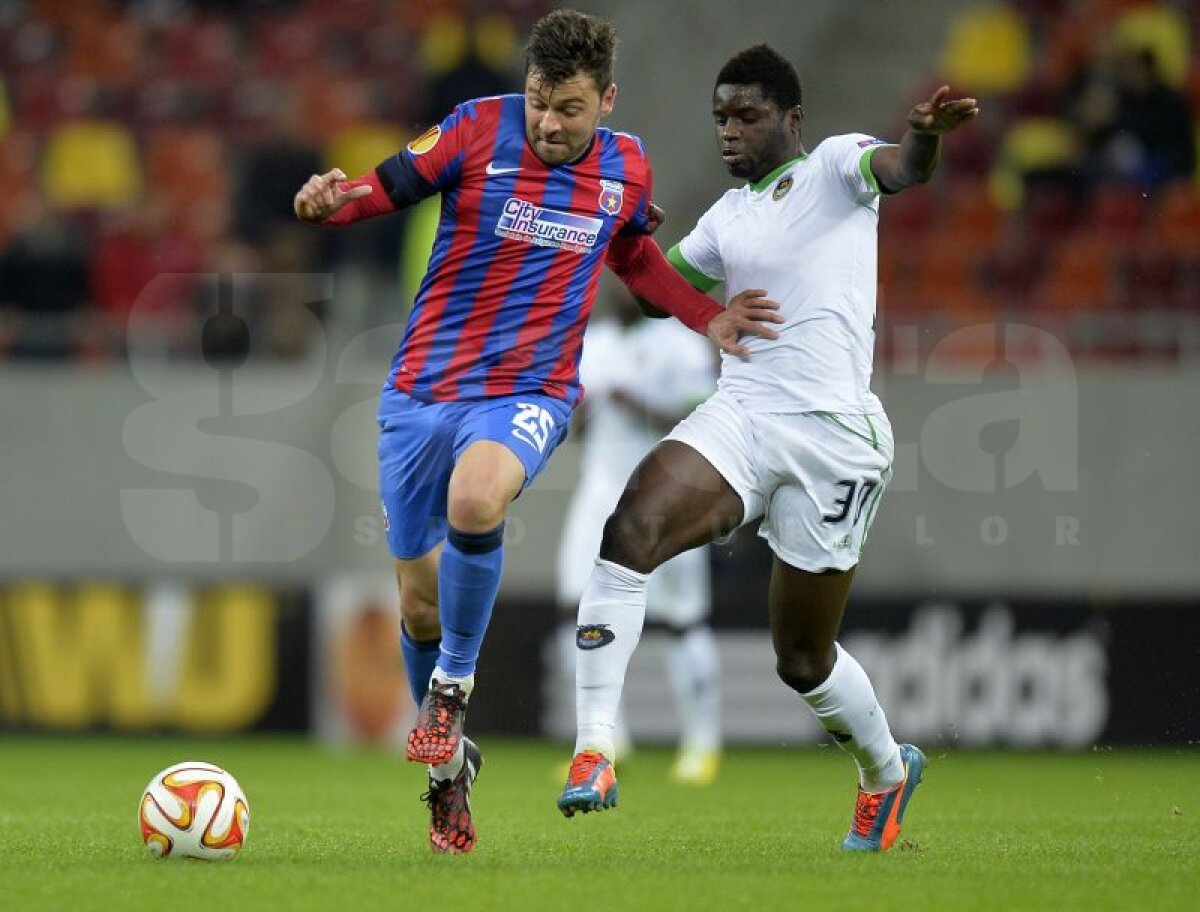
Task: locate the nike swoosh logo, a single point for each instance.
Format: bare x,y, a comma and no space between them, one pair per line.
492,169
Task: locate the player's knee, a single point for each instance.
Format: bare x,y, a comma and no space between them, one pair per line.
476,507
803,670
634,540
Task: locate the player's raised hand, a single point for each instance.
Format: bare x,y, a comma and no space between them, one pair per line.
322,196
940,115
748,313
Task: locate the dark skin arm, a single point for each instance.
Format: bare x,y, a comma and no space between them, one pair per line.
914,160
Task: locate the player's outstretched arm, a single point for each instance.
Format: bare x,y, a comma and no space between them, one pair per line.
914,160
331,199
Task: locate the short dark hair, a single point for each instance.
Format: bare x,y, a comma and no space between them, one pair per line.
565,43
764,66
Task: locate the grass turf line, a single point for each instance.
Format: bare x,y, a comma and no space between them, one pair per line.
331,830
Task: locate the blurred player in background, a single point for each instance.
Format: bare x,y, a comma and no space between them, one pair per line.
536,198
642,377
793,434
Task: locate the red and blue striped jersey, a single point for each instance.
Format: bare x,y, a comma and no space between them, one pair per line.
517,255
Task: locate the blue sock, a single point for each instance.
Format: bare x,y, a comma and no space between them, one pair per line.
468,579
419,660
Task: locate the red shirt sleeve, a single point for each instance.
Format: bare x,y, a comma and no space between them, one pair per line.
640,264
429,164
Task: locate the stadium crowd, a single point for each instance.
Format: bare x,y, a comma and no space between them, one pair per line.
163,140
1074,203
144,144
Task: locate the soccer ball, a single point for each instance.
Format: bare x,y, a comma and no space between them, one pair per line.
194,810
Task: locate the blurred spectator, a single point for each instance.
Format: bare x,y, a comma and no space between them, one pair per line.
988,50
90,160
1036,153
43,281
1136,126
467,58
273,170
5,116
284,301
1009,269
140,259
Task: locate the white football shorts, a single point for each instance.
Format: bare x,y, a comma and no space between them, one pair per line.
815,478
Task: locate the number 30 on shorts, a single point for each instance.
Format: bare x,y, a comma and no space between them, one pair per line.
533,424
855,495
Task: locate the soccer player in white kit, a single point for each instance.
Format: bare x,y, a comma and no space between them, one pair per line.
642,376
793,434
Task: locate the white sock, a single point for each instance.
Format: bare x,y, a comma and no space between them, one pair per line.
611,614
695,672
466,684
622,741
846,705
451,767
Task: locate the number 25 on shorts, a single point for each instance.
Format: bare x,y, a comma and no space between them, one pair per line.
533,424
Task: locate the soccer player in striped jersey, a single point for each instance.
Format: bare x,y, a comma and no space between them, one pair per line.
536,198
793,434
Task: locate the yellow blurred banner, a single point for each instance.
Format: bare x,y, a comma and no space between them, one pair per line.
105,655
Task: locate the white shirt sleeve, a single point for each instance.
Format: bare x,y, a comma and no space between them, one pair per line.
848,159
701,249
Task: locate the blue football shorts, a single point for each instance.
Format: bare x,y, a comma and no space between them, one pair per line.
420,443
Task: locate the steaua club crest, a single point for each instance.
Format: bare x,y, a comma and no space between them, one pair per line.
781,189
612,196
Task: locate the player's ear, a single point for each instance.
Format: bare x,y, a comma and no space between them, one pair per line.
608,99
795,117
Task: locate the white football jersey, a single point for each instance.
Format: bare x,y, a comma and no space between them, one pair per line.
807,234
671,369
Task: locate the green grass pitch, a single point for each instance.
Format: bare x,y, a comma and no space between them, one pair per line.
344,830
